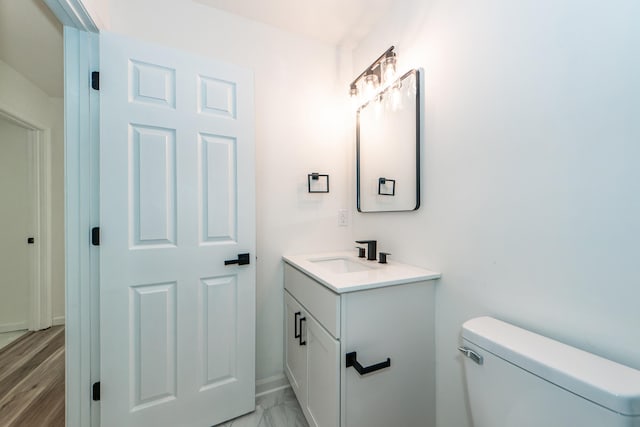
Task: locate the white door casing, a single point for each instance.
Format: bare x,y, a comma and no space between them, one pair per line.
177,200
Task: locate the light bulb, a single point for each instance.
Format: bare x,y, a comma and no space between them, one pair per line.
388,66
370,85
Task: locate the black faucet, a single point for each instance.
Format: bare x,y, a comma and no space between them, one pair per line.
371,248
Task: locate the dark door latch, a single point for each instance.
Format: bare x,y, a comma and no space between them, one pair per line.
243,259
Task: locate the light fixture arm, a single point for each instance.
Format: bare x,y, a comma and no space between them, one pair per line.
374,68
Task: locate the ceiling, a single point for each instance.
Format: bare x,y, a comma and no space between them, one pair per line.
31,43
31,37
337,22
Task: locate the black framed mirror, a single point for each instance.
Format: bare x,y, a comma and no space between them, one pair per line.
388,148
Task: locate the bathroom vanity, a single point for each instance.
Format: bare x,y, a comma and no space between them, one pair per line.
359,341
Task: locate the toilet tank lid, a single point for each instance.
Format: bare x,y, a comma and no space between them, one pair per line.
595,378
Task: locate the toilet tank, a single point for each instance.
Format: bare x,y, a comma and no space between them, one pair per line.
516,378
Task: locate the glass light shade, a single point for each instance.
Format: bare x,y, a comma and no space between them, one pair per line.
371,83
388,66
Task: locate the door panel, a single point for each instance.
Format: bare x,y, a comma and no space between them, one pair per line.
219,326
154,343
177,199
218,183
153,185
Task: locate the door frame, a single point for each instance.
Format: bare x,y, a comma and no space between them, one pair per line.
81,121
39,173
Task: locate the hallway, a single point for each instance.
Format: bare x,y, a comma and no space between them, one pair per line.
32,380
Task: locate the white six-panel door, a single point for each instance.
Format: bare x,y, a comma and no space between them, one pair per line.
177,200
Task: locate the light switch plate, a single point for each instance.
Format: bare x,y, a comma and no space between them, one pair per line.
343,217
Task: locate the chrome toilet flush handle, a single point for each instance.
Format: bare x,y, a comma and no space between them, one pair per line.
471,354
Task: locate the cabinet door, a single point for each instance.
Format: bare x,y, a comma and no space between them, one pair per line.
394,322
295,353
323,375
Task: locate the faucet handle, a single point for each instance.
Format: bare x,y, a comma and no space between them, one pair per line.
360,252
383,257
371,248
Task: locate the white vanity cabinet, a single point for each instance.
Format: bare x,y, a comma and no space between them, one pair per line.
323,325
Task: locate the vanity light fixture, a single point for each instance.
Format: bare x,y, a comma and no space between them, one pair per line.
381,72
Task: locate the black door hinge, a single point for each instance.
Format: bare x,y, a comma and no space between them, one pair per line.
95,391
95,80
95,236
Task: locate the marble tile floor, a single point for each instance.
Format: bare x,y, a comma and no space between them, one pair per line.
277,409
8,337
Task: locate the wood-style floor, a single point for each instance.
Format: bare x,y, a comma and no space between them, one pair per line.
32,380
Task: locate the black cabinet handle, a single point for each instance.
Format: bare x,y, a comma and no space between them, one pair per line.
302,319
362,370
243,259
296,334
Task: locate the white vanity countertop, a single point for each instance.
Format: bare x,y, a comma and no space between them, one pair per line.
345,272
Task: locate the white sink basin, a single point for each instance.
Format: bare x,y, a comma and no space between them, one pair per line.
345,272
340,265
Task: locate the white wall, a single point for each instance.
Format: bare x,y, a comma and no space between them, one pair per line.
531,201
299,129
26,101
99,12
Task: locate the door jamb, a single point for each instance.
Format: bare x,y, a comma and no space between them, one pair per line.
81,116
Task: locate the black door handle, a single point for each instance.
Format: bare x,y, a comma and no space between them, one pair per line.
243,259
362,370
296,334
302,319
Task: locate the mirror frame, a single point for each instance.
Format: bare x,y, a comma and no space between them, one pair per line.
418,109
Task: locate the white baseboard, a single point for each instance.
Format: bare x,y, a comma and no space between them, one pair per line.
10,327
271,384
57,320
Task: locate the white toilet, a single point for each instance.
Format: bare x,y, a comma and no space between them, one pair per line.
516,378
